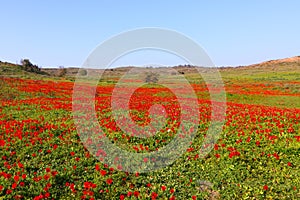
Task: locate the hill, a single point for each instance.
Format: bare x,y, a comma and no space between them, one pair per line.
27,70
280,69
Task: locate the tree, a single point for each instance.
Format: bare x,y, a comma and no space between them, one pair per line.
82,72
29,67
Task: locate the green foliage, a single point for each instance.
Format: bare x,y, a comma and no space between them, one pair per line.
29,67
256,156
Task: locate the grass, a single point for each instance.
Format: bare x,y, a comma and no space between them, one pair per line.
255,157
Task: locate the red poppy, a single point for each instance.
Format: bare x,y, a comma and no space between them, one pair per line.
8,191
14,185
103,172
129,194
172,198
257,143
24,176
2,143
109,181
136,193
154,195
20,165
16,178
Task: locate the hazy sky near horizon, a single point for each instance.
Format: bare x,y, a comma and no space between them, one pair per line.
233,32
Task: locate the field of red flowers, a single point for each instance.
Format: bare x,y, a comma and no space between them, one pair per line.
42,156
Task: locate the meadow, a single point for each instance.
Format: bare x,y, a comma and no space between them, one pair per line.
255,157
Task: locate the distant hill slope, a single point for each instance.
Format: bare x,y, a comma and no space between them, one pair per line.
15,70
286,69
279,66
292,60
292,63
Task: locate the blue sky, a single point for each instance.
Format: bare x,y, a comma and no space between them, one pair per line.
54,33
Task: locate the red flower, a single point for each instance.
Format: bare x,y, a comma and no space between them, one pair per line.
86,185
14,185
119,167
163,188
248,139
54,173
48,169
46,177
266,187
172,190
289,164
109,181
8,191
276,156
172,198
122,197
72,153
145,159
23,176
2,143
194,197
16,178
136,193
129,193
97,168
216,147
103,172
20,165
234,153
154,195
1,187
217,155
